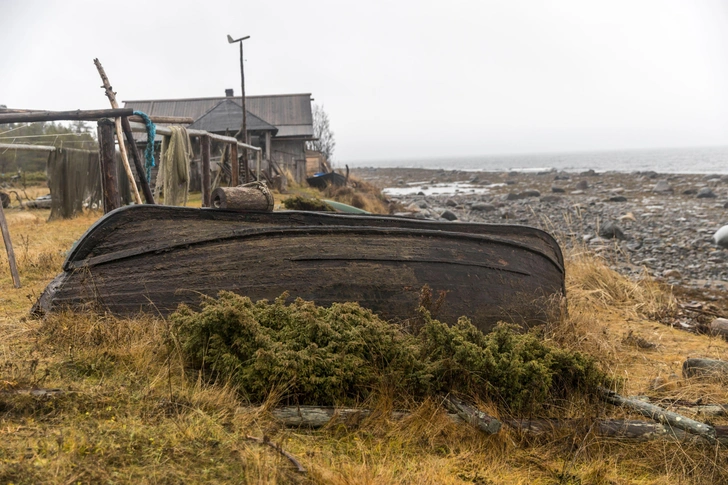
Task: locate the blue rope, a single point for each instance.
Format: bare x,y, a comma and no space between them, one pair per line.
149,151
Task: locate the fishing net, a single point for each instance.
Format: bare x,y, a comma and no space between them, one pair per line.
173,177
74,179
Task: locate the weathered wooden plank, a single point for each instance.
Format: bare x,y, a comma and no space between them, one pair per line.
661,415
83,115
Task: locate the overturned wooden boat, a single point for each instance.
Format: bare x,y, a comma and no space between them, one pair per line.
151,258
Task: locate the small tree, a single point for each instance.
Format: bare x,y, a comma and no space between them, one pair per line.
325,142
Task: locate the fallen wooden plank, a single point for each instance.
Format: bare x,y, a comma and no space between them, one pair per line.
473,416
660,415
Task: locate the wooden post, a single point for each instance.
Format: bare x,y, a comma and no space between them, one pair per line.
119,132
234,165
246,168
109,180
137,160
206,187
9,248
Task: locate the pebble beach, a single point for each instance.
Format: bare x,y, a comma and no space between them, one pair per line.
641,222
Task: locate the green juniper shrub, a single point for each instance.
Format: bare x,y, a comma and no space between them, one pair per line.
340,354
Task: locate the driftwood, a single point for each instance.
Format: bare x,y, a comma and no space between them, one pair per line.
473,416
119,132
83,115
705,368
660,415
320,416
252,197
279,449
9,248
623,429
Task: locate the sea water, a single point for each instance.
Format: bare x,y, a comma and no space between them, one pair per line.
669,160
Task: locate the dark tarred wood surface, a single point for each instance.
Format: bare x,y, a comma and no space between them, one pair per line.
152,258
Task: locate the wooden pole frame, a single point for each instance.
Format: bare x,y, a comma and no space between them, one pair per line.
9,248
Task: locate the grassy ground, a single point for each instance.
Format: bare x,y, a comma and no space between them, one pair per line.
130,413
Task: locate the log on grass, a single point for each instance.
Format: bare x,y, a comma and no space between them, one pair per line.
705,368
660,415
251,197
320,416
472,415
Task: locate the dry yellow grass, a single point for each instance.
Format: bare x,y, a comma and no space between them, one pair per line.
130,412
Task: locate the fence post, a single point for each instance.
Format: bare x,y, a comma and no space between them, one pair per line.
109,178
205,152
234,165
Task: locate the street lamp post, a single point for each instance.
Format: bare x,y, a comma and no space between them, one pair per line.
243,129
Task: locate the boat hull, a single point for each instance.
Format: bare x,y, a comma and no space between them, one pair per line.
153,258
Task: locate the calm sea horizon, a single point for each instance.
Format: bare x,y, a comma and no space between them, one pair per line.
666,160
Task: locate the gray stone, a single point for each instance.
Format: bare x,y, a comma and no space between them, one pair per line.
451,203
549,199
705,193
690,191
582,185
672,273
611,230
720,238
513,196
449,216
530,193
557,190
662,187
617,198
482,207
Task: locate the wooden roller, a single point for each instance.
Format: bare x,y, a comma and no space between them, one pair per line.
254,196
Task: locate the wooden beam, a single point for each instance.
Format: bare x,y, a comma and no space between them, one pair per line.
206,186
165,130
84,115
9,248
172,120
234,165
109,180
29,148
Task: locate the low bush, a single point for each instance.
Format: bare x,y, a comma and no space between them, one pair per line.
309,354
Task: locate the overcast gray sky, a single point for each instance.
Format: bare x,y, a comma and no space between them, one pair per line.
400,79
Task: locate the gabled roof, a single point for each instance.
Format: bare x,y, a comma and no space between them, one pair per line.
290,113
227,116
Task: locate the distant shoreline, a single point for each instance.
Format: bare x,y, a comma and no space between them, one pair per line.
700,160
